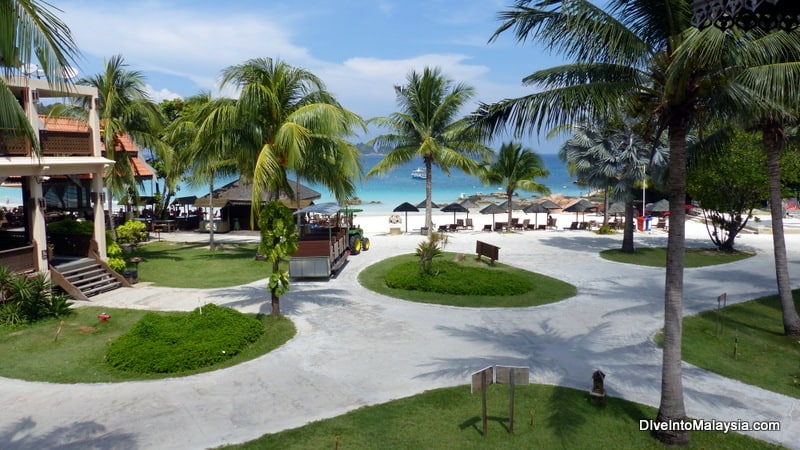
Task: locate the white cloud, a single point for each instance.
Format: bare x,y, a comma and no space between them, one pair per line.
161,94
179,42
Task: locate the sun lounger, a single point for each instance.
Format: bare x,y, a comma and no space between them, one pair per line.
487,227
572,226
468,225
453,227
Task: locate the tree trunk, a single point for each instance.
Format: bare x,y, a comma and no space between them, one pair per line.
428,190
605,206
509,193
773,142
111,225
276,302
211,214
627,233
671,408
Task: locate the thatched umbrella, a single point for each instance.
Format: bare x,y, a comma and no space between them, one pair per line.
454,208
493,208
422,204
406,207
535,208
581,206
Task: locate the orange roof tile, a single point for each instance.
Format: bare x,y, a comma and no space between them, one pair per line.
140,168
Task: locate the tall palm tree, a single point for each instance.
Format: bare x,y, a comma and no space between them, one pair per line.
124,109
515,168
206,155
31,29
286,121
644,55
612,155
770,77
428,126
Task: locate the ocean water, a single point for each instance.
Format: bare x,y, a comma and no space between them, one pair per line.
383,193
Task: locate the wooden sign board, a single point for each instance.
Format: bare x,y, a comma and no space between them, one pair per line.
478,379
503,375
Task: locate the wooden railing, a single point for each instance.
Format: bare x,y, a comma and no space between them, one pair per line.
20,259
52,143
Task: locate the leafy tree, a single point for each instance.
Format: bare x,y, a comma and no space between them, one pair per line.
728,185
515,168
31,29
278,240
124,109
643,56
285,120
428,126
612,155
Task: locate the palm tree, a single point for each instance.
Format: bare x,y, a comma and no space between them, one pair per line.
31,29
285,120
428,126
611,155
515,168
770,77
645,56
206,155
124,109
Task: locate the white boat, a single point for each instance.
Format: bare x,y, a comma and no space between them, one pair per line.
418,173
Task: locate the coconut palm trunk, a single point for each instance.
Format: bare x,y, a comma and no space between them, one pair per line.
428,193
773,141
627,232
111,226
671,407
210,224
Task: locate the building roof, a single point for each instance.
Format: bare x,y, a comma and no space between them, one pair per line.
140,168
238,193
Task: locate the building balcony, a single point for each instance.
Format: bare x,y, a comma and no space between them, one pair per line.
52,143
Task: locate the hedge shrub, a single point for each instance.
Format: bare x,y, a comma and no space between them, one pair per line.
181,342
448,277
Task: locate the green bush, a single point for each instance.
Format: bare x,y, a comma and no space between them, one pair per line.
180,342
449,277
29,299
114,252
131,232
71,226
606,229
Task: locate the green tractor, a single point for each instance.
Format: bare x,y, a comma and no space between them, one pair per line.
356,242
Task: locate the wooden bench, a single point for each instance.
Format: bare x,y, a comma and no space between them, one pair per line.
488,250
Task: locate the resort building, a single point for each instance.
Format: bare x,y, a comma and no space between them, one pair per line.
65,177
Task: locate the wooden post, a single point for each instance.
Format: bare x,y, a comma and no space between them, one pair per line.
483,400
511,404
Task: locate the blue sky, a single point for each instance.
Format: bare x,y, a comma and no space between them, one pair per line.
360,48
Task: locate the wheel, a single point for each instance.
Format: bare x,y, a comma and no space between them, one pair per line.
365,244
355,244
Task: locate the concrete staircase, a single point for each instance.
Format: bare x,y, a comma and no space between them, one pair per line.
84,277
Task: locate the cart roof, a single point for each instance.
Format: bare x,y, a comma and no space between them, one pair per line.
320,208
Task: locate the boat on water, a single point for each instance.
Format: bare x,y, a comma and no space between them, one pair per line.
418,173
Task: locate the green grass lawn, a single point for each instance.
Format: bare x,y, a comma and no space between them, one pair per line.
33,353
540,289
193,265
657,257
764,357
450,418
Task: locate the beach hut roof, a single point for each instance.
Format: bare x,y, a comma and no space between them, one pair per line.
237,193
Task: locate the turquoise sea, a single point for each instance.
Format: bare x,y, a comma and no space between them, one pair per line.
381,194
